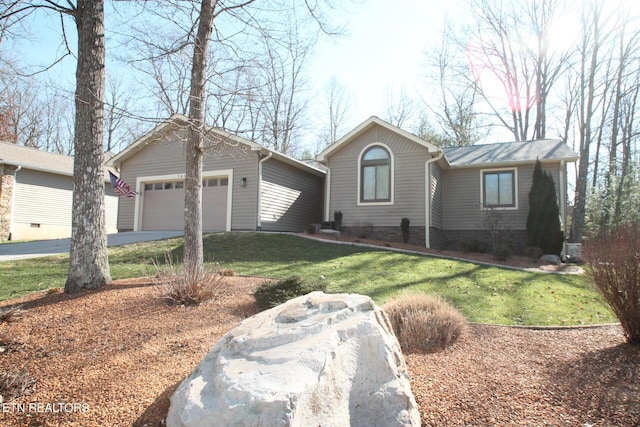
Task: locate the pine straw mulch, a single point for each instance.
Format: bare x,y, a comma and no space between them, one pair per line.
118,354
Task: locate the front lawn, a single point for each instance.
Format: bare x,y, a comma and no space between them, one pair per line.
481,293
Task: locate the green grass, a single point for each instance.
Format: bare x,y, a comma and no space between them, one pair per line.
481,293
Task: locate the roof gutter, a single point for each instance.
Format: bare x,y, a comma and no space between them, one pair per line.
260,162
427,197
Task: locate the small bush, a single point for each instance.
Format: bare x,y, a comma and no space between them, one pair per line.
10,314
501,252
271,294
533,253
473,246
311,229
613,260
179,287
404,227
15,384
337,219
424,322
362,230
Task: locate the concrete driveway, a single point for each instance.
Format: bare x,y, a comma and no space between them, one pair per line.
40,248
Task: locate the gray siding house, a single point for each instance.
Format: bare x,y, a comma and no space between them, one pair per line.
377,174
245,186
36,189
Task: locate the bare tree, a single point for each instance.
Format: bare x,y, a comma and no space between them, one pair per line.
193,250
587,99
400,108
120,126
337,105
456,108
284,103
88,260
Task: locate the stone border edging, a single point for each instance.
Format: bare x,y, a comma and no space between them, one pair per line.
408,251
547,328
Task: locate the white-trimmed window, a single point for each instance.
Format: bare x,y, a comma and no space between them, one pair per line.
499,189
376,169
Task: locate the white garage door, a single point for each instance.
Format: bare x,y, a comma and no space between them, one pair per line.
163,205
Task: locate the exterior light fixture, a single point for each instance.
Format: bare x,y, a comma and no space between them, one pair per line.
243,182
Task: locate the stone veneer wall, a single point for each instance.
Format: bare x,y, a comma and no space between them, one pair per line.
6,193
443,239
516,240
388,234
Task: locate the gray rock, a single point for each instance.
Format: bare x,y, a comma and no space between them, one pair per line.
550,259
319,359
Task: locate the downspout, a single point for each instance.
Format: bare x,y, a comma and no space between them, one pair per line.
427,197
327,196
260,162
563,203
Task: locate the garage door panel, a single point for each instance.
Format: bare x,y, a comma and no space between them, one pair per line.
163,210
163,207
214,208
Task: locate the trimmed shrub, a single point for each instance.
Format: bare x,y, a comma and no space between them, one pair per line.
473,246
613,259
271,294
533,253
423,322
501,252
404,226
311,229
179,287
543,220
337,220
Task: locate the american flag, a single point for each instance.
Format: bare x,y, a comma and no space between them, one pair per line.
120,187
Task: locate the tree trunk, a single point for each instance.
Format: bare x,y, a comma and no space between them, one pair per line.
88,260
193,251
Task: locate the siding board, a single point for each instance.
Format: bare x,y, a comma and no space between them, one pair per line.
409,178
462,204
290,198
166,156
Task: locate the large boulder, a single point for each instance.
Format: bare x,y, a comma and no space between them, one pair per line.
316,360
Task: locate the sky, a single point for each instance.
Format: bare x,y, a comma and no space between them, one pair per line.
382,51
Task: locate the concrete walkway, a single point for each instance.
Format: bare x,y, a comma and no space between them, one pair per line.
40,248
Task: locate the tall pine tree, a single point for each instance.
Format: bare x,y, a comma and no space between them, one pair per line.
543,221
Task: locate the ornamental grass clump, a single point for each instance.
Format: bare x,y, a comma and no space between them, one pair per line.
15,384
613,259
271,294
424,322
178,286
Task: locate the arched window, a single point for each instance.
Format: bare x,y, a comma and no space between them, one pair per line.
375,175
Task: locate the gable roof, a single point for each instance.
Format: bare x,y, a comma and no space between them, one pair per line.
509,153
32,158
179,120
365,126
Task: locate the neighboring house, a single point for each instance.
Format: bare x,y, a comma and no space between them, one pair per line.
36,189
378,174
245,186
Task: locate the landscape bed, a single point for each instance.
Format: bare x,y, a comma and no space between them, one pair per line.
118,353
121,351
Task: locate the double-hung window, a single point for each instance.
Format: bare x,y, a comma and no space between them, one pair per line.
375,175
499,188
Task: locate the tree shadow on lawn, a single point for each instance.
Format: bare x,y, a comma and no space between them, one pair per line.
605,382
